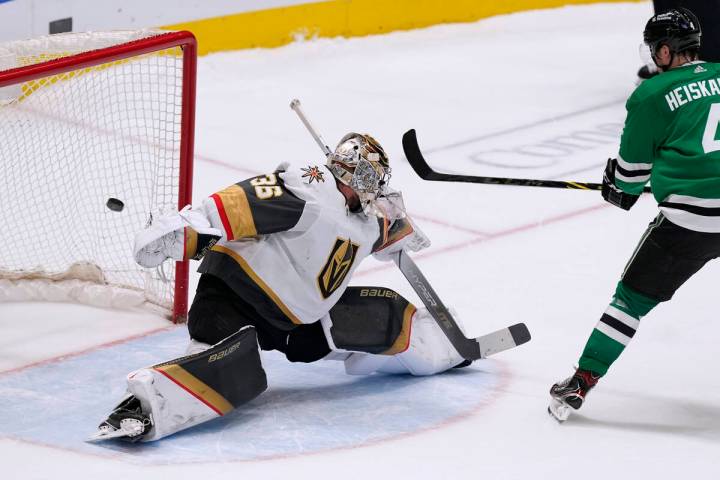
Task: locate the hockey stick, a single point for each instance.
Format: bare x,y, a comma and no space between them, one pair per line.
424,171
468,348
295,105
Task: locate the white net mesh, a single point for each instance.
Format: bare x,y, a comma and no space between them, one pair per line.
69,142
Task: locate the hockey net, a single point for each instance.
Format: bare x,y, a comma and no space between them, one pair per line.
84,118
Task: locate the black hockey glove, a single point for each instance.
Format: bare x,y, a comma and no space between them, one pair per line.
611,193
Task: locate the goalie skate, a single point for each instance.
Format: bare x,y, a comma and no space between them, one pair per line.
126,422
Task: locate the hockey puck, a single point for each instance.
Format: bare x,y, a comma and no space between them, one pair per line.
115,204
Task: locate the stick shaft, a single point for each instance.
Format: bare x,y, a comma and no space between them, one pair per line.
468,348
295,105
424,171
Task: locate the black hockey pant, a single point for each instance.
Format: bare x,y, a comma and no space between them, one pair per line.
365,319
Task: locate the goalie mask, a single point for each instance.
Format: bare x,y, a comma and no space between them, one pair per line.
360,163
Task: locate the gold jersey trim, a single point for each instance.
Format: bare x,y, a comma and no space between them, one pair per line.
258,281
235,213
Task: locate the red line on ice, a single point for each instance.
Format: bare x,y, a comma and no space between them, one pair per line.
65,356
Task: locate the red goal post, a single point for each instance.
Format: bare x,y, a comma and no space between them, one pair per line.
83,118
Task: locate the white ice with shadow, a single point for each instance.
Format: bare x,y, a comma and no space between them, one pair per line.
307,408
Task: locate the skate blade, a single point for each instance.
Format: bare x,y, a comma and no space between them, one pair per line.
106,434
130,429
558,410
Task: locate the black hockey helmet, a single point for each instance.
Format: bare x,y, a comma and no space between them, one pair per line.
678,28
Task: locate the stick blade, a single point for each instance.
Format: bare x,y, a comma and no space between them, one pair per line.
414,155
503,339
520,333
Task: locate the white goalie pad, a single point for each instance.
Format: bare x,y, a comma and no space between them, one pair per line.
429,352
170,406
193,389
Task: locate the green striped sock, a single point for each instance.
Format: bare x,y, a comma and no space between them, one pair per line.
616,328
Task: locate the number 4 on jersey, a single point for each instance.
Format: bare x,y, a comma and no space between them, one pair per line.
710,142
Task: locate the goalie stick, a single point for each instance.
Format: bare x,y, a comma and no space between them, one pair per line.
468,348
425,171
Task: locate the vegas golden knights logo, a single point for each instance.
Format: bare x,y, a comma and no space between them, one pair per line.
337,266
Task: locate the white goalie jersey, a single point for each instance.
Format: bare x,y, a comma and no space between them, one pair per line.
289,244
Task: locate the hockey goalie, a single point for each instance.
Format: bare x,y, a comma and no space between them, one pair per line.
278,252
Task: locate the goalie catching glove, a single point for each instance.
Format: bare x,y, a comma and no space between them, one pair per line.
183,235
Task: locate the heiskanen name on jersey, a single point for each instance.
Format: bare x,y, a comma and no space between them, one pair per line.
678,154
691,91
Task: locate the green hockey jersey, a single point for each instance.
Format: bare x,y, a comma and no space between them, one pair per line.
671,138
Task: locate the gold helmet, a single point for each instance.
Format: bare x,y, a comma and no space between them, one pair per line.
362,164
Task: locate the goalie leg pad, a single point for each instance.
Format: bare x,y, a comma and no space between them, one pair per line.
369,319
191,390
429,352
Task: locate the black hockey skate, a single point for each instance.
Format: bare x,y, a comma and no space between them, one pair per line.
571,393
126,422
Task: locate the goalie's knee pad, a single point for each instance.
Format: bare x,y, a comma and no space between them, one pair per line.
193,389
429,351
369,319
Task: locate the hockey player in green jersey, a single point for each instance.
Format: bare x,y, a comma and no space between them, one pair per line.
670,139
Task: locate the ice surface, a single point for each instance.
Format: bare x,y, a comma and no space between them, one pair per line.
299,414
512,96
